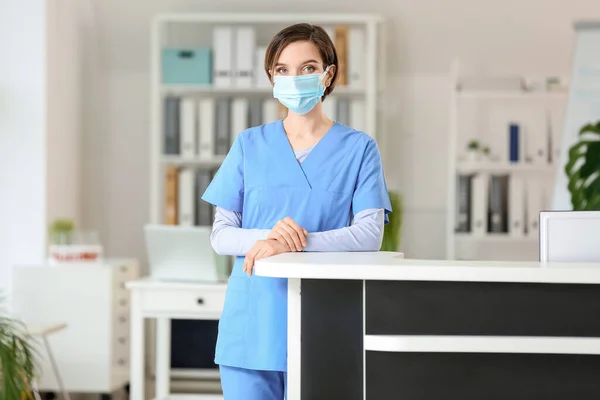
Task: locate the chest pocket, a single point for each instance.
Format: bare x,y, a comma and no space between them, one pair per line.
310,208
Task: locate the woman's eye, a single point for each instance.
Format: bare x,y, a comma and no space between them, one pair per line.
309,69
281,70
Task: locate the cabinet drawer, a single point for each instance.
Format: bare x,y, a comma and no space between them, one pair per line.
182,300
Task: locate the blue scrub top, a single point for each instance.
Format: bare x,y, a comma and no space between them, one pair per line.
261,178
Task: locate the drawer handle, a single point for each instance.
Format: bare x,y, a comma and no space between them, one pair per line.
123,302
200,300
121,361
122,340
122,319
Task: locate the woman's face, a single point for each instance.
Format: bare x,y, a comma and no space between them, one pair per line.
301,58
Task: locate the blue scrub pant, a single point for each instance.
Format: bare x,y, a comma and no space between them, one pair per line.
247,384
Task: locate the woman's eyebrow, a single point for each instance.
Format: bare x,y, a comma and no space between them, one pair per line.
305,62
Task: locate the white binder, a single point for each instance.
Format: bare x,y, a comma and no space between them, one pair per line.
270,110
535,204
330,107
187,208
239,117
187,117
497,134
479,202
261,78
555,120
223,48
537,138
516,206
206,128
358,115
244,56
356,57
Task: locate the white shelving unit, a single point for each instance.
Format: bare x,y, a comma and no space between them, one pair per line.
476,115
266,25
195,30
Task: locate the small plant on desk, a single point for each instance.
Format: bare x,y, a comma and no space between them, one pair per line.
17,358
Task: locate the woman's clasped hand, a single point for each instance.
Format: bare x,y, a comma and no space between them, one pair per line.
289,233
285,236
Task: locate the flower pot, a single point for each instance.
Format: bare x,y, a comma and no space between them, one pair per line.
473,156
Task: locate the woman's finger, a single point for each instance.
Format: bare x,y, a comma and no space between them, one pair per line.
263,253
249,263
299,230
297,243
258,256
287,234
281,240
249,260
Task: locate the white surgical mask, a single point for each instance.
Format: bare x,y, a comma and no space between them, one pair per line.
300,93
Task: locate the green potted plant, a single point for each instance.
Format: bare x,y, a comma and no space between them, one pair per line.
17,359
473,150
392,230
61,231
583,169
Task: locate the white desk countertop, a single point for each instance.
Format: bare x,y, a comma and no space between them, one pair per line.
392,266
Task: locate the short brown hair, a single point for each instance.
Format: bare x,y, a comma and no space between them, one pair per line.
303,32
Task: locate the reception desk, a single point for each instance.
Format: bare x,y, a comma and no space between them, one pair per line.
377,326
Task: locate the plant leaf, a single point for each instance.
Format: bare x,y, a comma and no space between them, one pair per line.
590,128
583,169
17,359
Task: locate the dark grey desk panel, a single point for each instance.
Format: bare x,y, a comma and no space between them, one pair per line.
475,308
193,344
332,340
435,376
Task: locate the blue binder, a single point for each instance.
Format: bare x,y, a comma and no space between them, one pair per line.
513,143
187,66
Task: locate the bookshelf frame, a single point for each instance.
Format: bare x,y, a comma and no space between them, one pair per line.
546,173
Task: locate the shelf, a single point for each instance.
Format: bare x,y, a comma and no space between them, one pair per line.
195,162
482,344
510,95
495,238
467,167
268,18
191,90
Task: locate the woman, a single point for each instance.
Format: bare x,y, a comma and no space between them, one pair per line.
304,183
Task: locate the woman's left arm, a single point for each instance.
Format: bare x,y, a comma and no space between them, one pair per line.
365,234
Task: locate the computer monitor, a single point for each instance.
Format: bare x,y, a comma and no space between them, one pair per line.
570,236
181,253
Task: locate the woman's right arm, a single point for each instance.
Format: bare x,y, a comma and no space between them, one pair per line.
226,192
228,238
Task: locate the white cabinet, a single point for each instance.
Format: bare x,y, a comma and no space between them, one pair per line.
92,353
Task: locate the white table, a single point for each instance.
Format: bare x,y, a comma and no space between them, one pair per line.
372,325
165,301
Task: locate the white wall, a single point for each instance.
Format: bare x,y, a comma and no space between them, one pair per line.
65,90
39,126
22,133
512,36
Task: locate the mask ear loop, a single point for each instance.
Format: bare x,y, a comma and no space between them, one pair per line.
324,74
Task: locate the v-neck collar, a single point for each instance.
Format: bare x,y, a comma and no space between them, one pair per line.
302,170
